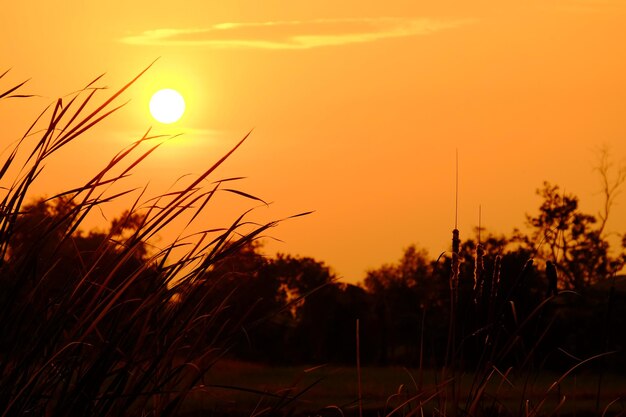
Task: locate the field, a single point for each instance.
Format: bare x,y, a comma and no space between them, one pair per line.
332,390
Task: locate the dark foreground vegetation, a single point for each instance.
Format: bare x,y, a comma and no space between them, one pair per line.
97,323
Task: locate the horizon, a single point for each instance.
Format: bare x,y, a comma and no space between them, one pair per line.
355,116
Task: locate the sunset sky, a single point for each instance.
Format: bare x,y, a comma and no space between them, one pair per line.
357,108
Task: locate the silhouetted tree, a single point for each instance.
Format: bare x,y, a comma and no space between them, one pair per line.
574,241
46,251
403,292
47,257
307,291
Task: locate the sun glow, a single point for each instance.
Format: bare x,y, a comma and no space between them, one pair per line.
167,106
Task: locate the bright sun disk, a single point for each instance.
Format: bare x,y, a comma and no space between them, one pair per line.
167,106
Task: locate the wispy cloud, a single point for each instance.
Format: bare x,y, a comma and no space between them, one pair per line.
589,6
294,34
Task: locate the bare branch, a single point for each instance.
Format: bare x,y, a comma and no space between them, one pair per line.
610,186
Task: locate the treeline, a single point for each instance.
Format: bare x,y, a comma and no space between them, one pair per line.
301,314
509,305
548,298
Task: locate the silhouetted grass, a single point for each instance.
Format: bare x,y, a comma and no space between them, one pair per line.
135,330
509,377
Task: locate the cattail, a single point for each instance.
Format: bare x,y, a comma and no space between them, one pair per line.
495,282
493,291
454,284
479,269
456,240
454,277
552,279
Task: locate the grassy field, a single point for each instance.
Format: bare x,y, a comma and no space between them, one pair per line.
240,388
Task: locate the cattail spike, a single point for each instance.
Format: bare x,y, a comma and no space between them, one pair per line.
495,281
552,279
456,193
479,265
479,222
479,268
456,243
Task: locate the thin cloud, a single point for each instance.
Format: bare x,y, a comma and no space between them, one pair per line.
294,34
589,6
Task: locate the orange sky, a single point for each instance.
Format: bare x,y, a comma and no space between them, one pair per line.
357,108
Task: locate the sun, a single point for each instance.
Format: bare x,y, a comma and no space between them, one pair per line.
167,106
